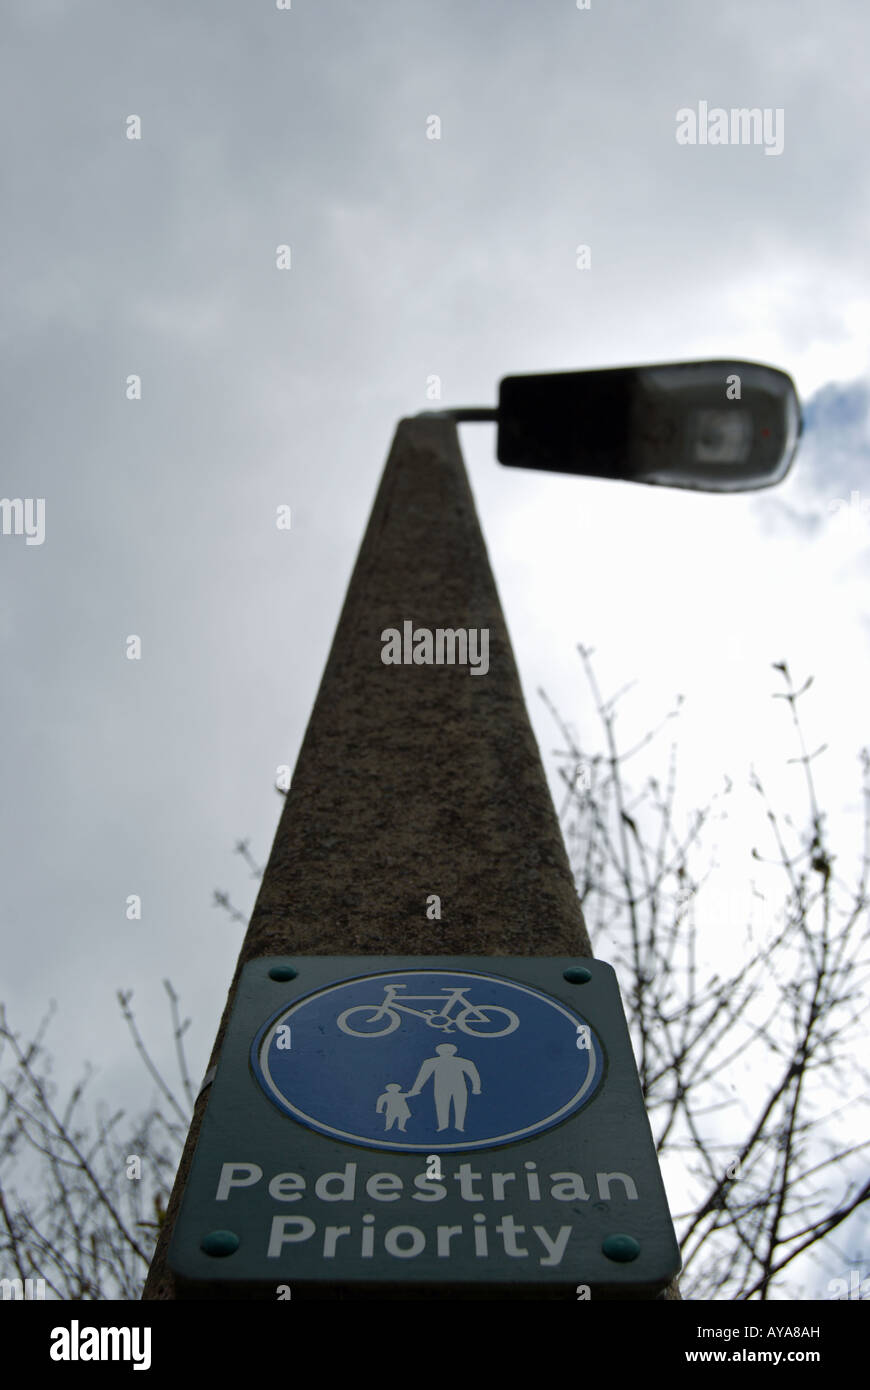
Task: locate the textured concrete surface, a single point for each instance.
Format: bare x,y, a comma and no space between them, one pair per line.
412,780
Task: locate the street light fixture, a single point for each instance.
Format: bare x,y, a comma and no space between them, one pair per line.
719,426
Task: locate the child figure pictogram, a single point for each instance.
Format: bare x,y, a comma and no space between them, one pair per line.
394,1106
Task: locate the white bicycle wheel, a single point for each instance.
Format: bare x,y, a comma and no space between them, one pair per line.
483,1031
373,1013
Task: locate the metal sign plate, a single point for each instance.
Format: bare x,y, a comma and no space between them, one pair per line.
418,1127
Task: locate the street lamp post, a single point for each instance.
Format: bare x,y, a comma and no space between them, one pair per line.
418,857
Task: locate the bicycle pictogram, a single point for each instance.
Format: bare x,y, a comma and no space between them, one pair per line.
370,1017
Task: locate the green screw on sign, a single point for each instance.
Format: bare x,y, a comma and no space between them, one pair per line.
220,1243
623,1249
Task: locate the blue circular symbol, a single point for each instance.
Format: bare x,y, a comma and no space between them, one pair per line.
432,1061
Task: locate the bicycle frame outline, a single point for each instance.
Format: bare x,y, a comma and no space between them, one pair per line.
392,1007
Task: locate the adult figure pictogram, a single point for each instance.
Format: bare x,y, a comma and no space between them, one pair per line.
448,1072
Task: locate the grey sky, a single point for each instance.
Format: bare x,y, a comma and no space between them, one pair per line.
410,257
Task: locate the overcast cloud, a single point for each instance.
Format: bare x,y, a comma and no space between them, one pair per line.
411,257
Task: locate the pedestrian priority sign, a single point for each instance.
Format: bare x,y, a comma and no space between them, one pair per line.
425,1127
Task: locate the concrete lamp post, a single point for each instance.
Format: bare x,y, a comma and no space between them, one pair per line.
422,1084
